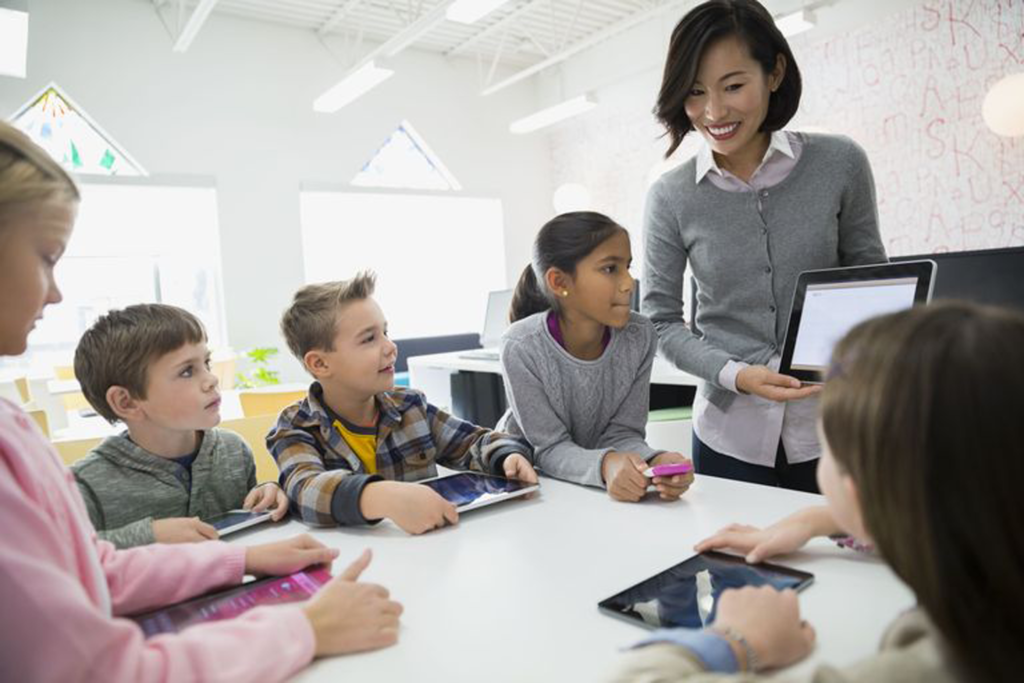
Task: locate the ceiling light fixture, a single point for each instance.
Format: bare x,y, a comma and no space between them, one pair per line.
552,115
352,87
797,22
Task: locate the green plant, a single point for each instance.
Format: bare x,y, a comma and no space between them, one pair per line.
260,375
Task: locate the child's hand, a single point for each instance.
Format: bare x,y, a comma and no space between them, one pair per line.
352,617
415,508
286,557
624,476
268,495
785,536
183,530
516,466
770,622
670,488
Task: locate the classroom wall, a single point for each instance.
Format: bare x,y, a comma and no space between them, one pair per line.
237,109
904,79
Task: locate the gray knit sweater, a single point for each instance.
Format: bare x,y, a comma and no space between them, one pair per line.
746,250
126,487
574,411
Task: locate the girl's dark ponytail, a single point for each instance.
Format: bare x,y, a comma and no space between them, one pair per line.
528,297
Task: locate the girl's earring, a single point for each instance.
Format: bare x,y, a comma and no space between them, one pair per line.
565,292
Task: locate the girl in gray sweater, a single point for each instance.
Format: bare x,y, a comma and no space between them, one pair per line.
577,361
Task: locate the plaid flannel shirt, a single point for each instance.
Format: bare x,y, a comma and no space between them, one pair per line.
324,478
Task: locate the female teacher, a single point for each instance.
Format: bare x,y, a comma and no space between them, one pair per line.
753,209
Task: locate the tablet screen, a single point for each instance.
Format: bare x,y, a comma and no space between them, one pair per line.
830,310
686,595
273,590
474,489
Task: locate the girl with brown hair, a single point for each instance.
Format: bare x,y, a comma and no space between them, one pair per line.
922,455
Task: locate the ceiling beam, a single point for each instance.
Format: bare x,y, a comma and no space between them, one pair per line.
347,8
195,22
493,28
589,41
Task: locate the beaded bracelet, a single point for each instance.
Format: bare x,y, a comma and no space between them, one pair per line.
729,633
847,541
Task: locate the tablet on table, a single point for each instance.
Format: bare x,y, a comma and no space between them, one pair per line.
686,595
229,603
471,490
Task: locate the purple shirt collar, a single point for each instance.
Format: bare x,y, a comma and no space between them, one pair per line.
556,332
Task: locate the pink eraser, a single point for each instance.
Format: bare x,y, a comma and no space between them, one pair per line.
668,470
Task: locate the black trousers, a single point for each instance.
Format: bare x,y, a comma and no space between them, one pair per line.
801,476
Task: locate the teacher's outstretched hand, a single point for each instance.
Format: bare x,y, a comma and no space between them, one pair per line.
762,381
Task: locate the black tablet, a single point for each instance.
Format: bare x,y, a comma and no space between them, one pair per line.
829,303
229,603
236,520
471,490
686,595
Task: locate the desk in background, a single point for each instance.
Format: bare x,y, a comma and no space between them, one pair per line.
472,389
510,594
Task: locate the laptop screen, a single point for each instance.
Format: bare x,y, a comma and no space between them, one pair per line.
496,318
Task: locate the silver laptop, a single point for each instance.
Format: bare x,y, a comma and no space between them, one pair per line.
495,324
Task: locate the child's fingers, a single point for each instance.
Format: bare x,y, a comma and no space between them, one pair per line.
356,568
250,499
206,531
451,515
279,512
262,502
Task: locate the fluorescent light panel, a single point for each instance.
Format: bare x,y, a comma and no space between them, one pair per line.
13,42
471,11
352,87
797,22
551,115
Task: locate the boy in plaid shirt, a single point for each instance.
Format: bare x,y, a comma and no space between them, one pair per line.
349,451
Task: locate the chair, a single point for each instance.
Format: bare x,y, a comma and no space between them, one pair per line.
22,384
268,402
671,429
72,450
64,372
254,431
39,415
225,371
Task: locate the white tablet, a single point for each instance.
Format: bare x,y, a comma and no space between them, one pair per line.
236,520
471,490
829,303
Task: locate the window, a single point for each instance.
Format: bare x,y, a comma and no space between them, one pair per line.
405,161
132,244
436,257
71,137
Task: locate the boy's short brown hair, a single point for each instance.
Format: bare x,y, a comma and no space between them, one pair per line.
309,323
121,345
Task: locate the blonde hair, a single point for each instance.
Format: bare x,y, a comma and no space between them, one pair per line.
309,323
28,174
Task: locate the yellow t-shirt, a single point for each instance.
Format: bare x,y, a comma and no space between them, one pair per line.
362,441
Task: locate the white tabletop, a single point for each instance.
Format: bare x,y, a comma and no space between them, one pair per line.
663,372
511,592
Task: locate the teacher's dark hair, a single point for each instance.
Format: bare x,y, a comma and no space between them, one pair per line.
923,411
562,243
708,23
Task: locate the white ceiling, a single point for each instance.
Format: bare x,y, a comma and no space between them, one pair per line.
519,34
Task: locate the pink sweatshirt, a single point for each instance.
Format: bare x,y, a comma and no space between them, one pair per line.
62,589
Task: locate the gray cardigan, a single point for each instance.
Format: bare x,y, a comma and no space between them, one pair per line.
746,250
126,487
574,411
